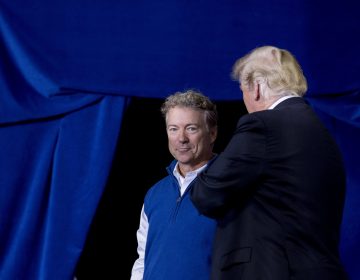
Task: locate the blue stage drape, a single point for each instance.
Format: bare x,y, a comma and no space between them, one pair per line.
53,171
67,69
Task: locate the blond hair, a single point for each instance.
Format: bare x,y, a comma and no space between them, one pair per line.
276,68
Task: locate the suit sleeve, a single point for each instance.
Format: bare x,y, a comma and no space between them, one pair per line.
234,174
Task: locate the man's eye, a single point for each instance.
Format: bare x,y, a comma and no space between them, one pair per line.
192,128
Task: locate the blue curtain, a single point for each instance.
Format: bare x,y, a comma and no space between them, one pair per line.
68,68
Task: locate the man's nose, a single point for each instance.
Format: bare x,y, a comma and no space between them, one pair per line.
183,138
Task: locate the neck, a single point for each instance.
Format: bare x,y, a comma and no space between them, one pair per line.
185,168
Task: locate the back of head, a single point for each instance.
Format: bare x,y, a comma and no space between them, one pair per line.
195,100
277,69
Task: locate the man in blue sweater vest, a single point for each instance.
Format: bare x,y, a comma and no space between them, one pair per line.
174,240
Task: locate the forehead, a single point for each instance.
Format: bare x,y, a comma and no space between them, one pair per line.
184,115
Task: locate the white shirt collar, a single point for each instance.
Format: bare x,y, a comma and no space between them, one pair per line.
184,182
277,102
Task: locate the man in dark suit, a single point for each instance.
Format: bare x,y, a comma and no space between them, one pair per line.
277,190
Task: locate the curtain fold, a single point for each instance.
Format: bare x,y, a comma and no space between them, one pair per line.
52,174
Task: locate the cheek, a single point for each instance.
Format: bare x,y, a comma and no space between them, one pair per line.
171,143
246,100
200,143
171,138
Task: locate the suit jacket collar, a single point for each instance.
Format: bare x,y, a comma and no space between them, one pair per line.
290,101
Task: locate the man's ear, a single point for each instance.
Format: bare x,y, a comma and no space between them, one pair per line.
213,134
258,87
257,91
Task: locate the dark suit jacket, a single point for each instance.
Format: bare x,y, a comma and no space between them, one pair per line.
277,191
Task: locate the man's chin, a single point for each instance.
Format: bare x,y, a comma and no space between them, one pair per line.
184,160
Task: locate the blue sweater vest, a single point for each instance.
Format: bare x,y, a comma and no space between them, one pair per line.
179,241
